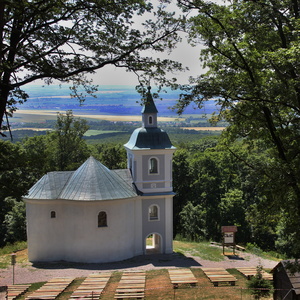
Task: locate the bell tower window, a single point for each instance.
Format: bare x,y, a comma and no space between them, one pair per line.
153,213
150,120
153,165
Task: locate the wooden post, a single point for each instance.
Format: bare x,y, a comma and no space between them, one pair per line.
13,262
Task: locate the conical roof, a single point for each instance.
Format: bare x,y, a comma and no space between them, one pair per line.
91,181
149,105
94,181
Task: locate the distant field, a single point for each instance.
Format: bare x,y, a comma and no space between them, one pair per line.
204,128
96,132
33,128
30,115
88,133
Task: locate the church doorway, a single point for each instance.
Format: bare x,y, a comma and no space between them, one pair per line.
154,244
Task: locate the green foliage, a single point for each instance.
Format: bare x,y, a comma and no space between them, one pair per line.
5,258
233,212
16,177
286,236
37,155
111,155
181,184
192,221
13,165
226,188
259,286
61,149
10,248
67,149
206,190
15,221
256,250
263,223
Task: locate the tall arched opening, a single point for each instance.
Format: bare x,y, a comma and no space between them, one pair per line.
154,244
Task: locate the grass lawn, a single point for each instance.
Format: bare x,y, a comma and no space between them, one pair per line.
5,254
203,250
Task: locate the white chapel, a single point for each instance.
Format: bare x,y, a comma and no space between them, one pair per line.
94,214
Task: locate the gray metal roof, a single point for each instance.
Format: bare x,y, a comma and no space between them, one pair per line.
149,138
49,186
92,181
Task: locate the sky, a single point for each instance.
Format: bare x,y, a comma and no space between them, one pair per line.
184,53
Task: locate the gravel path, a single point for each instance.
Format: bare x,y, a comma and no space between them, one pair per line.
44,272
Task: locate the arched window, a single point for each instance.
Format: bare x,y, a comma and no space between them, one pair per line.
53,214
150,120
153,212
153,166
102,219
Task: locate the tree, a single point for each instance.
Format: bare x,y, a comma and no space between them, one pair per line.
263,225
259,286
251,57
233,211
15,221
66,39
285,237
67,149
192,219
61,149
181,186
15,180
37,154
207,190
113,156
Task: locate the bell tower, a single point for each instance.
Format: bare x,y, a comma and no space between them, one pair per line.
149,159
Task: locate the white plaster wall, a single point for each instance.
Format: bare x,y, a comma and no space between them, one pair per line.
169,225
43,241
139,249
74,234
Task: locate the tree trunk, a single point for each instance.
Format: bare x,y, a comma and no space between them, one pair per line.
8,64
4,92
